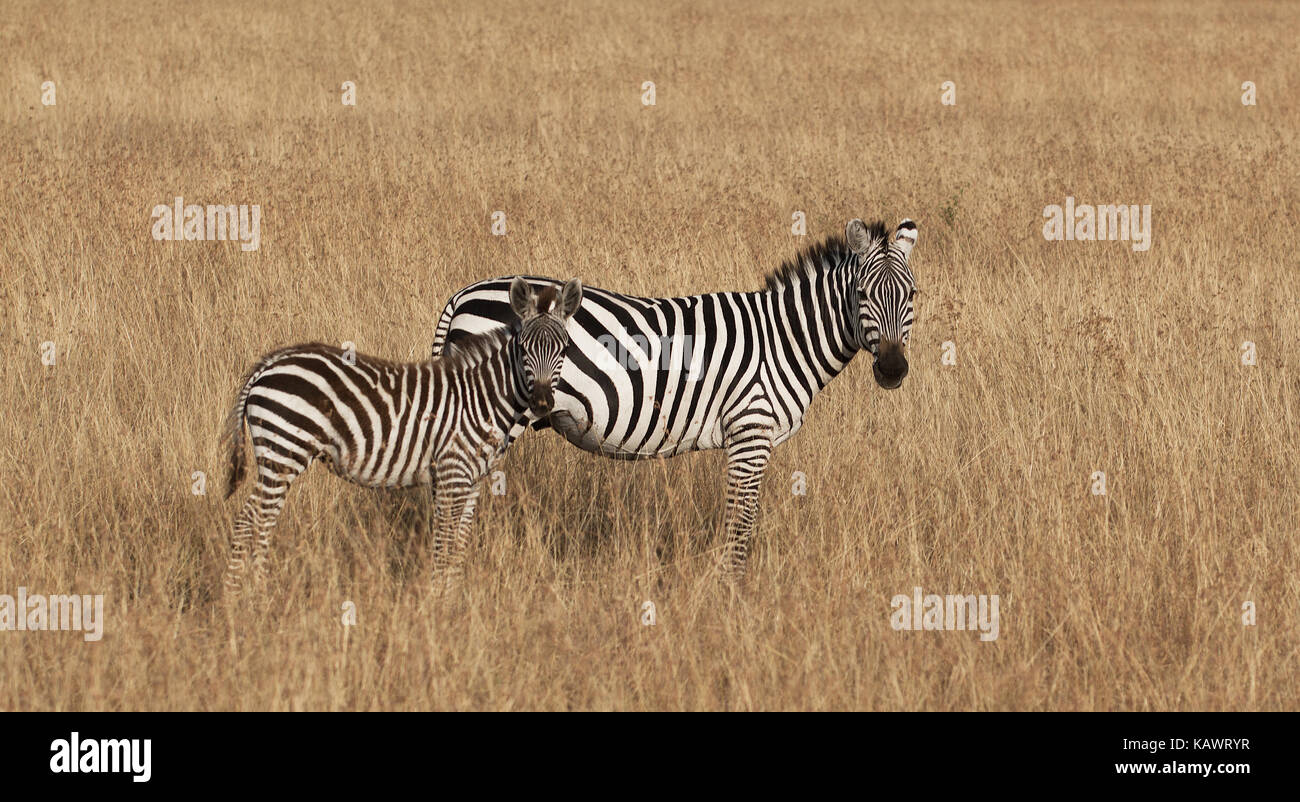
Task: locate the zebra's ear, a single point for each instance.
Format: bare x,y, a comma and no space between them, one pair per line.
570,298
522,298
905,237
856,234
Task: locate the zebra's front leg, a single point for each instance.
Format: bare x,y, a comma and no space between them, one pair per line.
749,450
456,489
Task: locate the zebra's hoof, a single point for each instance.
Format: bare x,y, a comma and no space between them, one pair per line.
444,586
731,575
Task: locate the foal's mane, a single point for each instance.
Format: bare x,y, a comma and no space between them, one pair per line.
474,349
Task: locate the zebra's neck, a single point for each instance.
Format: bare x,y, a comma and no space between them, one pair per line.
497,386
814,318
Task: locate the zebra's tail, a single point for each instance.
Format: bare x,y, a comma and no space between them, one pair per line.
234,440
444,326
234,437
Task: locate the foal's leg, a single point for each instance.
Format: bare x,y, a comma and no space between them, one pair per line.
255,521
456,489
457,480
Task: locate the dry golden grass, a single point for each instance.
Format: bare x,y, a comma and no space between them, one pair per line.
1072,357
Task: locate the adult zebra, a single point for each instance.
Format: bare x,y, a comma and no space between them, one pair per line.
386,424
646,377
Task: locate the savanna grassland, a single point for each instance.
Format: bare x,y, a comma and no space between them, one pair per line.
973,478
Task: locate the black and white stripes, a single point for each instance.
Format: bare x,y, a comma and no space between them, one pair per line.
443,422
648,377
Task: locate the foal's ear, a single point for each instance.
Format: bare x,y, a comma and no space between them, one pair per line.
570,298
522,298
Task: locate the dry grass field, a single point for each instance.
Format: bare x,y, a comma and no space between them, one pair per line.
974,478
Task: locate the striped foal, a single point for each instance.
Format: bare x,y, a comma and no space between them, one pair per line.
386,424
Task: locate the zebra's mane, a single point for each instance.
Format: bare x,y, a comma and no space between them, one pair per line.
473,350
819,257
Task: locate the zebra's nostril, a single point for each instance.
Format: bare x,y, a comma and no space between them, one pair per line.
892,363
889,373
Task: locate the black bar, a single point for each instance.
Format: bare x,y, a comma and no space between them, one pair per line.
334,751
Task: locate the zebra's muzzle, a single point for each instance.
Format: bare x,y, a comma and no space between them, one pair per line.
890,367
543,400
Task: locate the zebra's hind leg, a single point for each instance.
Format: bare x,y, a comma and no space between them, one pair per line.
455,493
749,449
241,537
250,539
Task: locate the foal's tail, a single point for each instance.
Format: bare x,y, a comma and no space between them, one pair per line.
234,436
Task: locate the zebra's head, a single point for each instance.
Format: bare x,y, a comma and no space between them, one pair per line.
542,337
885,292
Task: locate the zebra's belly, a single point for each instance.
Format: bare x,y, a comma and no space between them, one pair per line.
647,440
390,474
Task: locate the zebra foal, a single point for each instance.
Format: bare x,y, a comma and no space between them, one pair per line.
443,422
